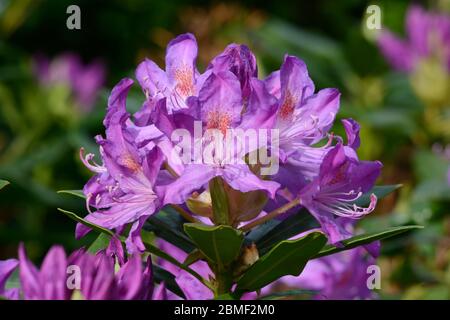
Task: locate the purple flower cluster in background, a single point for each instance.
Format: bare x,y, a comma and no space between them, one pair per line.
81,276
427,35
84,80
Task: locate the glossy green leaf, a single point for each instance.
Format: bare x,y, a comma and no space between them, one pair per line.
288,257
281,230
3,183
364,239
93,226
220,244
77,193
379,191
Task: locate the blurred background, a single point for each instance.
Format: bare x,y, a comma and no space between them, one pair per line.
54,84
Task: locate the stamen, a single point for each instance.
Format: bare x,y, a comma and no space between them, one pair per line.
218,120
94,167
185,81
288,106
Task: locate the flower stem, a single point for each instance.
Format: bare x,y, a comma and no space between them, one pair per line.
271,215
224,282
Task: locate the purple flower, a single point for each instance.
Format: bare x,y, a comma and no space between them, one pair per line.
123,191
220,105
239,60
81,275
341,181
85,81
303,117
181,78
428,34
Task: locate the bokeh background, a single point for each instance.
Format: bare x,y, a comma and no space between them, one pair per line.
44,121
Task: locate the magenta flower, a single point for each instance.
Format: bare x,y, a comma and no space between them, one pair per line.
7,267
181,78
85,81
428,34
123,189
341,181
97,279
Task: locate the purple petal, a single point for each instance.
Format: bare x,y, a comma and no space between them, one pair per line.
220,101
418,29
239,177
180,64
352,131
296,85
397,52
134,241
261,108
152,79
273,84
239,60
29,277
7,267
129,279
194,177
53,275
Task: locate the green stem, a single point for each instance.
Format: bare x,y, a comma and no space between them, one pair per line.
224,282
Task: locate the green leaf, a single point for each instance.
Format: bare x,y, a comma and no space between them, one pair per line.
220,244
77,193
167,224
364,239
288,257
281,230
100,243
379,191
3,183
93,226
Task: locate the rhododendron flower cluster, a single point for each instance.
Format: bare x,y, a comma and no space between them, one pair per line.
139,173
